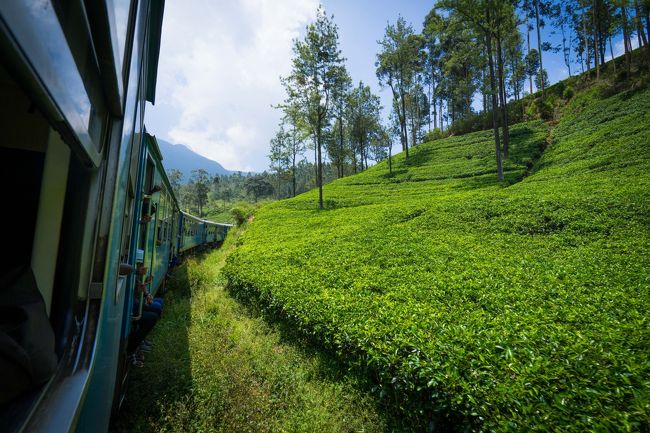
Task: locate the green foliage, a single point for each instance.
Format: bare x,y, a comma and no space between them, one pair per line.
241,212
258,186
199,188
317,69
568,93
541,108
434,134
475,305
214,368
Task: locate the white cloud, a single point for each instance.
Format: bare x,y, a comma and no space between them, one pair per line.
220,64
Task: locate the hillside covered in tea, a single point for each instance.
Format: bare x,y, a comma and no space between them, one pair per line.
520,305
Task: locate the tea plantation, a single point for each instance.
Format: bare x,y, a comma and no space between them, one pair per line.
522,306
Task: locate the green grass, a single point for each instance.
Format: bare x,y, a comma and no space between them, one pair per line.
215,367
476,305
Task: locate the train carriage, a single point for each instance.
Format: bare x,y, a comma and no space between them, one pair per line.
93,215
221,231
74,77
159,216
193,229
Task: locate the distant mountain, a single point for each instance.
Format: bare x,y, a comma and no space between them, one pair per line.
182,158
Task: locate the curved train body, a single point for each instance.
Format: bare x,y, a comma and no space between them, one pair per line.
90,201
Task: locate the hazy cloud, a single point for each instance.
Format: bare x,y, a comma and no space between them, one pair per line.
219,71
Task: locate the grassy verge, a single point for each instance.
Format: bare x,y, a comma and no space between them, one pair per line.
216,368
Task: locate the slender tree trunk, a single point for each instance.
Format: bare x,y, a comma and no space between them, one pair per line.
566,49
406,137
441,118
293,164
502,95
433,97
493,91
602,40
626,39
365,155
530,77
413,115
316,158
319,167
361,153
639,23
539,47
645,37
639,40
341,153
585,37
647,27
429,110
611,51
646,9
483,93
596,47
390,158
400,118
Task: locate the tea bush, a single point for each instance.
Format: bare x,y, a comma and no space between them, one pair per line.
474,304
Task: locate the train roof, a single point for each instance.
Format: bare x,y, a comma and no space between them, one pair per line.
217,224
189,215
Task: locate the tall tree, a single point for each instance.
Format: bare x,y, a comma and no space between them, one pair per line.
364,120
398,62
563,13
297,138
484,16
258,186
200,183
539,24
317,69
340,95
280,154
175,177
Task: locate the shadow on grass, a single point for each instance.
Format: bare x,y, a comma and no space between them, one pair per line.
402,410
165,381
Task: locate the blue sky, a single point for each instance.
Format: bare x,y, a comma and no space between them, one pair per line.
362,24
220,64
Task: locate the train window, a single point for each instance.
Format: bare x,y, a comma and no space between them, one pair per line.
121,11
48,187
34,157
63,60
128,221
149,174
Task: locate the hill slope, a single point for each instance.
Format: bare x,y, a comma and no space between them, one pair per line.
521,306
181,157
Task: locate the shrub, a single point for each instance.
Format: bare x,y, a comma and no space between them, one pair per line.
241,212
541,109
434,134
568,93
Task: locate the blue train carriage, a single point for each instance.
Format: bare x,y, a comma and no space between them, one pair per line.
192,233
210,233
74,77
157,238
219,230
215,233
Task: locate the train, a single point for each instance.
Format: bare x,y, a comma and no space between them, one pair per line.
86,202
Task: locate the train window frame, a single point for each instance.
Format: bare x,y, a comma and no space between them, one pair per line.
65,64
